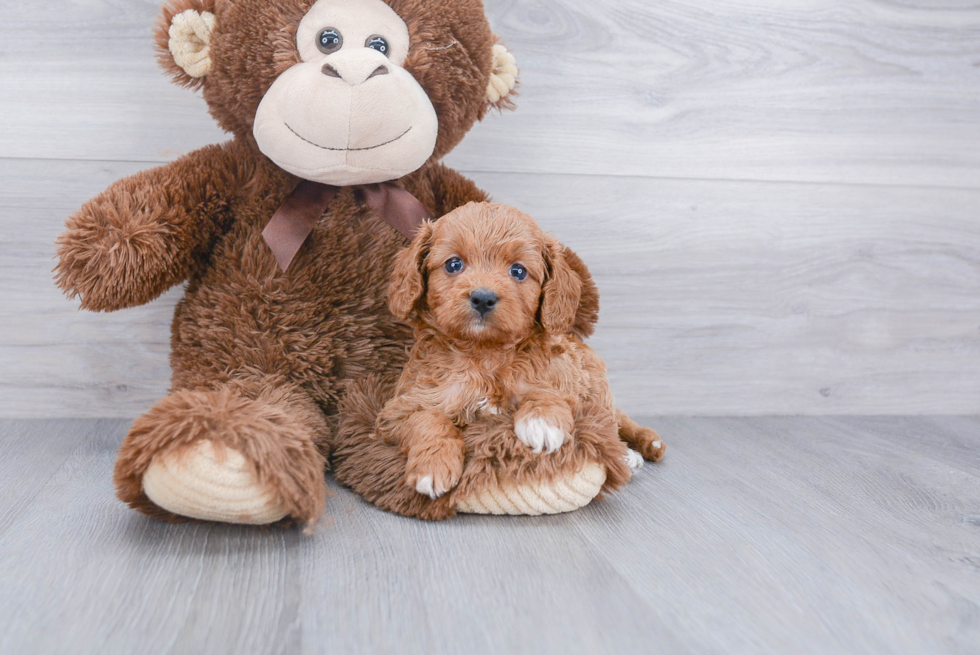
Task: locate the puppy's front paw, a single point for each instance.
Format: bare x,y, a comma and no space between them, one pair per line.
427,487
539,434
434,486
634,460
433,474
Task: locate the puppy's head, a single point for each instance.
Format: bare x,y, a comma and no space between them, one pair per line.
486,273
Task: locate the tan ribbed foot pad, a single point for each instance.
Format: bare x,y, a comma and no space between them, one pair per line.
563,495
198,484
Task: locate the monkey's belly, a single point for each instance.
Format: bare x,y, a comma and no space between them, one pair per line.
320,323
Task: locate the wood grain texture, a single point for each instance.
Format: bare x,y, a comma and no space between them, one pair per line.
778,535
820,254
816,90
733,297
717,297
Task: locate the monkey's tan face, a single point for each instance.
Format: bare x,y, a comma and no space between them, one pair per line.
349,113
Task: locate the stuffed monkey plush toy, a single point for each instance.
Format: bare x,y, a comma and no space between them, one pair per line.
340,112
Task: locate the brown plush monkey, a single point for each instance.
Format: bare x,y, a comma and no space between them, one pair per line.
284,235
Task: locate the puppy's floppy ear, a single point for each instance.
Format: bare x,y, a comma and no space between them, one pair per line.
561,292
587,313
407,280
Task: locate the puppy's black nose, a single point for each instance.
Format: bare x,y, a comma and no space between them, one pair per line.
483,301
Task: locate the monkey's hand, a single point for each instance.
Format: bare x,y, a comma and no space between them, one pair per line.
116,251
138,238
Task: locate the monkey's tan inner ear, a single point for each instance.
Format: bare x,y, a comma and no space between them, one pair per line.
503,79
190,41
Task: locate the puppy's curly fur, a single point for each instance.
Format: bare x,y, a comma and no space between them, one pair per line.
493,301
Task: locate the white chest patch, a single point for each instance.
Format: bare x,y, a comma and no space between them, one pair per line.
484,406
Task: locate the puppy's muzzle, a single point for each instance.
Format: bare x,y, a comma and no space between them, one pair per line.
483,301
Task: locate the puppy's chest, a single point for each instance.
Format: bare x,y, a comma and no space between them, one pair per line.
475,390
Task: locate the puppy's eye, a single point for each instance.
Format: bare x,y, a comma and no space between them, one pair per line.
518,272
329,40
378,43
454,265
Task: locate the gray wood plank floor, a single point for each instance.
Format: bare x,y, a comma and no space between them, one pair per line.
766,535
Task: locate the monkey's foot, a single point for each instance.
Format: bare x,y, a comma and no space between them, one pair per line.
564,495
213,484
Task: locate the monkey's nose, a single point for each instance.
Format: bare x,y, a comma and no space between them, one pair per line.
353,73
483,301
380,70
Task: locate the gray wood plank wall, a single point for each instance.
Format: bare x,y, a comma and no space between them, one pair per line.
778,199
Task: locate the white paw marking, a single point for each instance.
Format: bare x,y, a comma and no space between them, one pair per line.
485,406
655,444
634,460
539,434
427,486
424,486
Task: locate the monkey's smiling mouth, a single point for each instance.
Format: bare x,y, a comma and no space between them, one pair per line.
346,149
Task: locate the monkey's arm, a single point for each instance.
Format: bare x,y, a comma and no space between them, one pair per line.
142,235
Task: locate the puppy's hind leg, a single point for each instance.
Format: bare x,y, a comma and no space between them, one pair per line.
641,439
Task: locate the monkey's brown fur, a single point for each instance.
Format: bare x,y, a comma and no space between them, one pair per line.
261,358
470,378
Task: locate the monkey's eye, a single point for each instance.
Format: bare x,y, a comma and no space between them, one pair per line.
518,272
329,40
454,265
378,43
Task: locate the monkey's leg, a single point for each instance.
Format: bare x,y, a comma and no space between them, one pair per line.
502,476
236,454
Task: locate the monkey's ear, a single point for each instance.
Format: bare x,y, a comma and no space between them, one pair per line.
561,292
407,280
503,79
183,37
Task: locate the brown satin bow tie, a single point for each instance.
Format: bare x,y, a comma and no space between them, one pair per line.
294,220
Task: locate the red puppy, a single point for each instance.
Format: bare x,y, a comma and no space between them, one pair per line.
493,301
